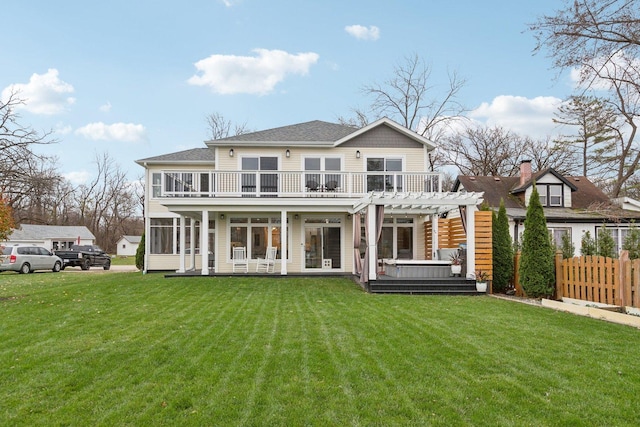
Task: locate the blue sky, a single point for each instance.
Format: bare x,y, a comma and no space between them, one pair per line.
137,78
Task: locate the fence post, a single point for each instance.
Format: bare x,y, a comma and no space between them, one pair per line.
559,284
623,293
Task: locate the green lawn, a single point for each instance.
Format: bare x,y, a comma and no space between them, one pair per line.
133,349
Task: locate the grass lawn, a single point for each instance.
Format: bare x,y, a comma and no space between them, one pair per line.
123,260
133,349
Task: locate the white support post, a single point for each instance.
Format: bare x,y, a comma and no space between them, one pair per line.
371,242
471,240
182,244
192,252
204,242
284,238
434,235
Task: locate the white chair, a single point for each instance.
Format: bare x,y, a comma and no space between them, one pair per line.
240,261
268,263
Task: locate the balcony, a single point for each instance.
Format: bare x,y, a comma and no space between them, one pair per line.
291,183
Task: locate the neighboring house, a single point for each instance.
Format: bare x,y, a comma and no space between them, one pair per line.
52,237
571,204
128,245
298,188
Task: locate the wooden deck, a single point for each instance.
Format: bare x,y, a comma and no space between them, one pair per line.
384,284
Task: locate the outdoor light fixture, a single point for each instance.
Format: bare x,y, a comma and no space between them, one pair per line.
230,152
295,216
221,216
358,154
287,153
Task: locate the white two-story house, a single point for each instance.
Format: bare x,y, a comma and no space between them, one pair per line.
320,193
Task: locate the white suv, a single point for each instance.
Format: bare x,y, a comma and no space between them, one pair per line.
27,259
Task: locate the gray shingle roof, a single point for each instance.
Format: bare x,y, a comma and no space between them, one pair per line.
40,232
132,239
313,131
192,155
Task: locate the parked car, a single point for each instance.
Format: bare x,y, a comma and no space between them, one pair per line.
85,257
27,259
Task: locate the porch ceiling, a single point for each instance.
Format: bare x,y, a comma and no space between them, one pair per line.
419,202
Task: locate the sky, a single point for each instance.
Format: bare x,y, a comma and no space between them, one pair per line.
137,78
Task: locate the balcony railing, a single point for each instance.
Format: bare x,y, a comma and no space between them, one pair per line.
292,184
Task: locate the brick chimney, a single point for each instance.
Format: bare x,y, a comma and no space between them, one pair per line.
525,171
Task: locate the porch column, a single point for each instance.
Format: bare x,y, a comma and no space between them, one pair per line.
371,242
434,235
192,249
204,242
471,240
182,243
284,238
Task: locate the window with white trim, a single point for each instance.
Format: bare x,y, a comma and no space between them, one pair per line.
384,182
256,234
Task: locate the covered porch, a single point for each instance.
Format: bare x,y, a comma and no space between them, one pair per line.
353,225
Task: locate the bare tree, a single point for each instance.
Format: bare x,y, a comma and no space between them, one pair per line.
410,98
489,151
589,30
219,127
20,166
601,40
544,154
593,120
107,202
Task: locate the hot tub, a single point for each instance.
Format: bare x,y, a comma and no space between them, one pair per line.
417,268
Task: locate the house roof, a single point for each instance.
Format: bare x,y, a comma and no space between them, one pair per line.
36,232
132,239
588,202
313,131
536,176
194,155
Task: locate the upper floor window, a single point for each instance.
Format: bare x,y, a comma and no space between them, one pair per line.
156,184
384,182
550,195
257,180
322,181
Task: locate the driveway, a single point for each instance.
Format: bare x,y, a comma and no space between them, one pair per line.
114,269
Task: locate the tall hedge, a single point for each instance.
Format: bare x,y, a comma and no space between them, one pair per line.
140,254
537,271
502,250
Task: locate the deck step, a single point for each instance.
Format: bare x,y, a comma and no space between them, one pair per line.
433,286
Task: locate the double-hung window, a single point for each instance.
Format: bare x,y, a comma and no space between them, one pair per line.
550,195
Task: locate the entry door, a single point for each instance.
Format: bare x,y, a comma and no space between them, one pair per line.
322,247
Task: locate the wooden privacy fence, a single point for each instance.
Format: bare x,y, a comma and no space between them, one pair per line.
599,279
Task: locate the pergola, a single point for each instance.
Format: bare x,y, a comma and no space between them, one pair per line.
421,203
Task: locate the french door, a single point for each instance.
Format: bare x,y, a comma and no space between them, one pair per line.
322,244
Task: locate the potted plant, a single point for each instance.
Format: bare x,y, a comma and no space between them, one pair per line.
456,263
481,281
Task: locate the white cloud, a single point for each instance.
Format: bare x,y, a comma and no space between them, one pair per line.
106,107
44,94
528,117
78,177
230,74
62,129
363,33
127,132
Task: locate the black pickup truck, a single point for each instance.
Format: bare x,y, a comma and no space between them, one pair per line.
85,257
